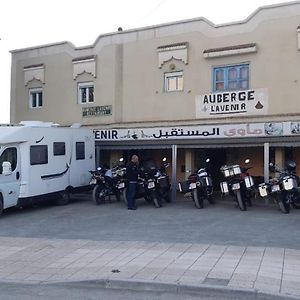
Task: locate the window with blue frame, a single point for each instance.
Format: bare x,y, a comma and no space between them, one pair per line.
231,78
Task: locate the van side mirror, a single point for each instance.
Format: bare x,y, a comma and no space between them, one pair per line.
6,168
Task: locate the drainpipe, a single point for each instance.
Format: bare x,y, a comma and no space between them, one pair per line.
266,165
174,169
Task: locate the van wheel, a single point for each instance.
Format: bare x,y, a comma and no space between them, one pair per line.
63,198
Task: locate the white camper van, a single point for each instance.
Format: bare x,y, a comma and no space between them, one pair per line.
38,158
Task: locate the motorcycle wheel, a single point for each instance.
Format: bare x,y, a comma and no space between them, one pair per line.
98,194
167,196
240,201
211,199
118,195
156,202
124,196
197,200
283,206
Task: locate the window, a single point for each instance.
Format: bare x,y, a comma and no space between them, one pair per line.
80,151
36,98
9,154
174,81
231,78
59,148
39,155
86,92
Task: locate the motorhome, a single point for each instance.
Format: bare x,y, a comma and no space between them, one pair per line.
39,159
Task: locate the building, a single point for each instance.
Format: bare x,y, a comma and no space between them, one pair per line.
187,90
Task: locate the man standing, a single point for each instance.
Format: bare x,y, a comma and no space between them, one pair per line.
132,172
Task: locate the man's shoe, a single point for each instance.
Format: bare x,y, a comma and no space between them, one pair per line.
131,208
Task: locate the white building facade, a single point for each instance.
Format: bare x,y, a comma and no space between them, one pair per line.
186,90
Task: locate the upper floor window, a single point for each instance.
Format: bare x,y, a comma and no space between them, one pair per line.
35,97
85,92
231,78
174,81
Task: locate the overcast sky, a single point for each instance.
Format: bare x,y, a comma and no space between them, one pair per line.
36,22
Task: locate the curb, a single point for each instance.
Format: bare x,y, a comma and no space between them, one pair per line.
183,289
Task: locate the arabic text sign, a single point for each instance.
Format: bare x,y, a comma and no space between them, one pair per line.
233,103
191,132
200,132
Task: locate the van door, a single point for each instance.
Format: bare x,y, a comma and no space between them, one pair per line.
10,184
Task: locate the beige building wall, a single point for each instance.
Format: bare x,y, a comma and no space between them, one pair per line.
127,75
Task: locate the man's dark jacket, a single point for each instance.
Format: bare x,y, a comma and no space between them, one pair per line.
132,171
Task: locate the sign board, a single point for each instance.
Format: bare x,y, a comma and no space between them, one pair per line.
232,103
200,132
96,111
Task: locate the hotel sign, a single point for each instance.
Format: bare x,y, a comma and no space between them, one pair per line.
232,103
96,111
200,132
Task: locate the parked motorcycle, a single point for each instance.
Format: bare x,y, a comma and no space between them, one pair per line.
108,182
239,184
284,188
153,183
200,185
162,181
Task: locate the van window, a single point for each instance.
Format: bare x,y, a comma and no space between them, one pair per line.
59,148
9,154
39,155
80,151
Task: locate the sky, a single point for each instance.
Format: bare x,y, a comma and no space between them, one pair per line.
35,22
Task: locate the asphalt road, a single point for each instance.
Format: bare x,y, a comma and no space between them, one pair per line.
181,222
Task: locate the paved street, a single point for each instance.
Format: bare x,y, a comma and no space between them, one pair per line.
179,222
219,246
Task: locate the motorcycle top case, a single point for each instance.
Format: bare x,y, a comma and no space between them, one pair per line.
163,182
263,190
249,182
289,183
205,181
224,187
229,171
184,186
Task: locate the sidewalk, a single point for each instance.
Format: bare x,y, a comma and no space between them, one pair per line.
266,270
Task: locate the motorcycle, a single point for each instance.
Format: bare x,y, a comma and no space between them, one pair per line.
284,188
153,184
162,181
239,184
108,182
149,178
200,185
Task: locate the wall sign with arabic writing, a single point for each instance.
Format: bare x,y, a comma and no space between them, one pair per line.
232,103
96,111
200,132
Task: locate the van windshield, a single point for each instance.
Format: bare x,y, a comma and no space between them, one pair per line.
9,154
